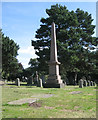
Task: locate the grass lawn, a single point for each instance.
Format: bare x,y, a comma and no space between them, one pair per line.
62,105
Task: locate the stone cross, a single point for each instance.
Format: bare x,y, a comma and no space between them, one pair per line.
54,79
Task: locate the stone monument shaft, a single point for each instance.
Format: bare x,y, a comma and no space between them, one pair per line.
53,64
54,79
53,50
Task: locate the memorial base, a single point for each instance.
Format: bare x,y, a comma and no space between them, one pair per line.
51,85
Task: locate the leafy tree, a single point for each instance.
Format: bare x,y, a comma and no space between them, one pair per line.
74,32
30,71
34,64
10,66
19,73
27,72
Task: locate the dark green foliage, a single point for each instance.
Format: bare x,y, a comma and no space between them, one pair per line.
94,58
11,69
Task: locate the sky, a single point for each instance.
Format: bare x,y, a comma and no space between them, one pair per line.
20,21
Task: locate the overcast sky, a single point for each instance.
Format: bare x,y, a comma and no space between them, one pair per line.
20,20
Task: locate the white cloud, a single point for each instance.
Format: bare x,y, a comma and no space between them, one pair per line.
29,50
25,54
24,61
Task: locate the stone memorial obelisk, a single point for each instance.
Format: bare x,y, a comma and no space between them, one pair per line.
54,79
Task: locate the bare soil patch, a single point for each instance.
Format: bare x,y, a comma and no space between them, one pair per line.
42,95
90,94
47,107
68,110
75,92
35,104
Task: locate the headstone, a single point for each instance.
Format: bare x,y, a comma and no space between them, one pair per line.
88,83
29,81
39,84
43,79
91,83
17,82
54,79
85,83
81,83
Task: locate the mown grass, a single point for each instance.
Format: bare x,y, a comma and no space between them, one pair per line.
61,105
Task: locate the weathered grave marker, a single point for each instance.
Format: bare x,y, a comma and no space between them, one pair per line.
81,83
91,83
39,84
43,79
85,83
17,82
88,83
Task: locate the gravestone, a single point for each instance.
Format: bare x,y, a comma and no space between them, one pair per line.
85,83
54,79
80,83
29,81
39,83
91,83
17,82
43,79
88,83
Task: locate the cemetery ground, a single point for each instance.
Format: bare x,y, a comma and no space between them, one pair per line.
67,102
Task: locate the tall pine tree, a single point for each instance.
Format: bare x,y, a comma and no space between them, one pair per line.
74,32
